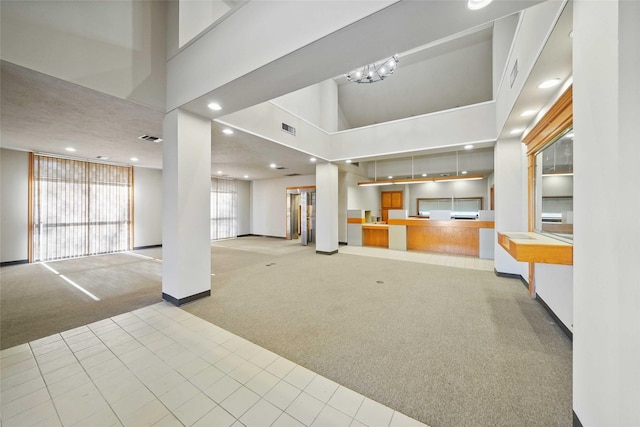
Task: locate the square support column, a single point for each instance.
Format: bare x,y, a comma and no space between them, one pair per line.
326,208
186,183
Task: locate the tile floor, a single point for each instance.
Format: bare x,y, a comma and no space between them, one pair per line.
469,262
161,366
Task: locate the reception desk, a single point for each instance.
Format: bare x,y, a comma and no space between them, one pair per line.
375,235
457,237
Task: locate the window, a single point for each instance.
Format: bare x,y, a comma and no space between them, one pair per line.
224,209
79,208
554,187
463,207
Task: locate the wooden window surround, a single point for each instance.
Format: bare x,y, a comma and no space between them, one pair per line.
532,247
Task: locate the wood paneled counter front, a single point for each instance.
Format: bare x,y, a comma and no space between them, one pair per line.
458,236
375,235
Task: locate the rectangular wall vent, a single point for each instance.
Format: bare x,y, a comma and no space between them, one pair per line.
288,129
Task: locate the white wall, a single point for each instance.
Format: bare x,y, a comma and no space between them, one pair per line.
554,284
269,204
196,16
536,23
115,47
503,31
304,103
606,107
147,207
445,83
477,188
557,186
244,207
510,177
14,205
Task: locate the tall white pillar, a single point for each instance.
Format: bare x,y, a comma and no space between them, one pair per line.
606,109
510,181
186,183
326,208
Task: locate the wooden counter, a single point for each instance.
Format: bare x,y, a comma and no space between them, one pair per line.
375,235
458,237
535,247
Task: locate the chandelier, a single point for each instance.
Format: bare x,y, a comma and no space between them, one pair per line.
374,72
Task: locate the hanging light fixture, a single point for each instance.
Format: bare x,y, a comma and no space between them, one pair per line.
374,72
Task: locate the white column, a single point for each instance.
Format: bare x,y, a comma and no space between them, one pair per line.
186,182
510,180
326,208
606,105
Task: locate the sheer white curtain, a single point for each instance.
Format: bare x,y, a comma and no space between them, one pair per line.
224,208
79,208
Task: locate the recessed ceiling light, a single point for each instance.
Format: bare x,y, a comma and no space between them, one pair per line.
70,149
424,174
477,4
516,131
348,161
390,176
463,172
527,113
227,131
219,172
215,106
246,176
273,166
468,147
549,83
313,159
102,157
134,159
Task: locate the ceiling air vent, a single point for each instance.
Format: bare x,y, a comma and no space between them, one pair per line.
150,138
292,174
280,168
288,129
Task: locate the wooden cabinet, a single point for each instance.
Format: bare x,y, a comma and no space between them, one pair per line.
390,200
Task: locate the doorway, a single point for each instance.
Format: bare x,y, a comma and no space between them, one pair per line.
301,214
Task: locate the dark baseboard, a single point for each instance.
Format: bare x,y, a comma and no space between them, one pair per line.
327,253
555,318
135,248
576,420
8,263
263,235
178,302
343,244
244,235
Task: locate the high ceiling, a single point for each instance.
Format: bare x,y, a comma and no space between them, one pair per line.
43,114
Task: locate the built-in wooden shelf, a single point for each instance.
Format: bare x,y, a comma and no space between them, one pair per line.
535,247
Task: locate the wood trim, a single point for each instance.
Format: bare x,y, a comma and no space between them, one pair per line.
355,220
375,227
536,249
458,223
30,210
555,121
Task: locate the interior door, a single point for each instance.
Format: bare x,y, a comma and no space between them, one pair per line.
390,200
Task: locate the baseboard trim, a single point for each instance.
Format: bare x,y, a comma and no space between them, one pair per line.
17,262
244,235
343,244
555,318
264,235
178,302
326,253
576,420
135,248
